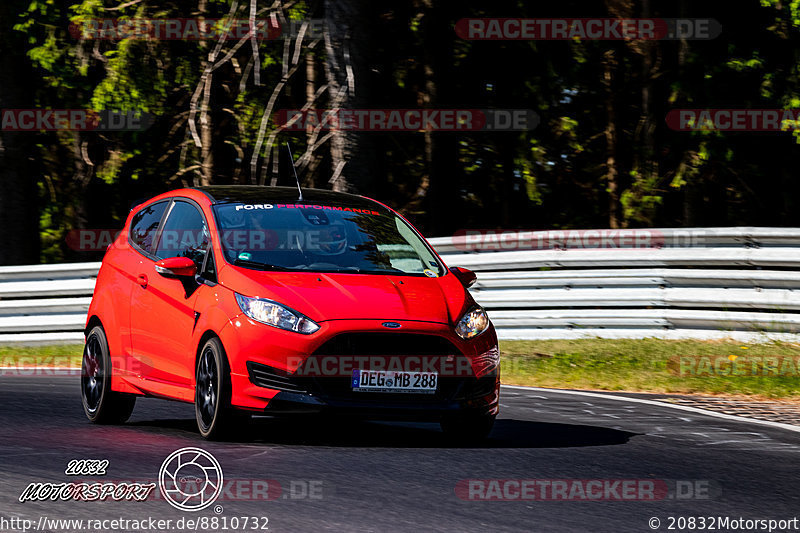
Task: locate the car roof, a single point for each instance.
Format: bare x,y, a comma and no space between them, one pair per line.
258,194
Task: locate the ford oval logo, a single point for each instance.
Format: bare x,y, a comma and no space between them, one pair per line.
392,325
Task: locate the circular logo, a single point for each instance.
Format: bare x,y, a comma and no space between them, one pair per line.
190,479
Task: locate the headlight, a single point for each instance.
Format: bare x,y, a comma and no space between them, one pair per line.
274,314
472,324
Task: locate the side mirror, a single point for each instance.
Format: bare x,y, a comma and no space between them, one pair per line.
466,276
176,267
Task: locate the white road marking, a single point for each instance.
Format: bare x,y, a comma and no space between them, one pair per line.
780,425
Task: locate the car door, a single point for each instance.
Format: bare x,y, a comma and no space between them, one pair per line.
162,308
142,233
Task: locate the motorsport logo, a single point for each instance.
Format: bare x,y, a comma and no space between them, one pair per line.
87,491
190,479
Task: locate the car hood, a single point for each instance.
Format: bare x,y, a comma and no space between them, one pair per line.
325,296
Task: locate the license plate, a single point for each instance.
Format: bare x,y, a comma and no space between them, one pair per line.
389,381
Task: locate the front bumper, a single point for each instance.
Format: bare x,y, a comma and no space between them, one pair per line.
475,396
268,370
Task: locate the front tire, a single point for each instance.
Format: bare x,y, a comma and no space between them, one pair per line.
216,418
467,428
101,404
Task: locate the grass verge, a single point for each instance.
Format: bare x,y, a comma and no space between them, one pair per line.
51,355
654,365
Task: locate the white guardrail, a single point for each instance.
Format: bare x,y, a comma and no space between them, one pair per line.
703,283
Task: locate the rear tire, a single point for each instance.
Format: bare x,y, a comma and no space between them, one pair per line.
101,404
467,428
216,418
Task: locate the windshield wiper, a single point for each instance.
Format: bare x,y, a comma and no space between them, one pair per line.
260,266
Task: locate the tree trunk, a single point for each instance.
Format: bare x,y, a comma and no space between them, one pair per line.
612,171
347,66
438,40
206,137
311,90
206,129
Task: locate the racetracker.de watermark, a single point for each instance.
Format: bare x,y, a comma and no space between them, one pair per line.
585,490
763,366
604,29
344,365
476,240
399,120
65,365
33,120
177,240
195,29
733,120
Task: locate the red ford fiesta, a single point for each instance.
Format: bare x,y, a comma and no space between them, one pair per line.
259,300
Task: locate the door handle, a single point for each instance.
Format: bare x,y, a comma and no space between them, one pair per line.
141,279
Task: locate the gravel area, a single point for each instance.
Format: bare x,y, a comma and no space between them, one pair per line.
787,412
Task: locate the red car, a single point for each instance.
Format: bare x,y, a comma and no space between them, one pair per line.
260,300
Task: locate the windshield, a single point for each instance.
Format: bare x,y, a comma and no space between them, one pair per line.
322,239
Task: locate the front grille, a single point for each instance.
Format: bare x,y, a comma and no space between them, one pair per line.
387,344
272,378
382,345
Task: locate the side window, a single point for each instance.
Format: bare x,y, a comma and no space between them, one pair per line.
145,224
185,234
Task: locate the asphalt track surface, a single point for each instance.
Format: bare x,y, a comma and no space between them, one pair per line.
401,477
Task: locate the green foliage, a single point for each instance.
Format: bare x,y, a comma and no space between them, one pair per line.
553,176
638,202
